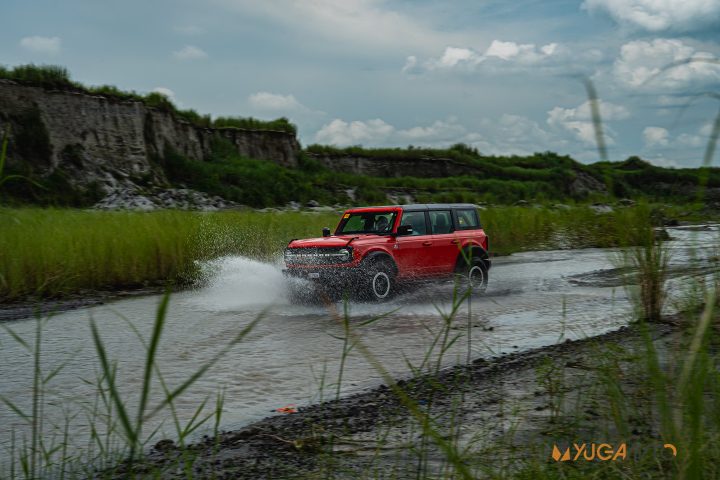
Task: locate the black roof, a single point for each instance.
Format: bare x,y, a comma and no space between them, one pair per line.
429,206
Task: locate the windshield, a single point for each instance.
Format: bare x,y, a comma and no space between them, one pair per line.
367,222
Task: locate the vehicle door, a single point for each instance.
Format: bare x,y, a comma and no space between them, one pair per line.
412,251
445,247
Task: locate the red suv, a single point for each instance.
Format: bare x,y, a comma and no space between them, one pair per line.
374,249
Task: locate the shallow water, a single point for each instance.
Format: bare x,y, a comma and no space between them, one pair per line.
533,299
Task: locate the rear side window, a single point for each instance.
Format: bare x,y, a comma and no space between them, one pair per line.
416,220
467,220
441,221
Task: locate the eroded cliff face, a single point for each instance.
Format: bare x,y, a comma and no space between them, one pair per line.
113,143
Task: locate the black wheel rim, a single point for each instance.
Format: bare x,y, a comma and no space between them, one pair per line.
476,277
381,285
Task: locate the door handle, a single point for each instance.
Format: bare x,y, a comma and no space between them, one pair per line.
427,244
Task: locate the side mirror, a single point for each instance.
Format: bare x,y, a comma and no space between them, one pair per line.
405,230
326,232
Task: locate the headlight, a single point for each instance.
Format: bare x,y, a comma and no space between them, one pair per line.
344,254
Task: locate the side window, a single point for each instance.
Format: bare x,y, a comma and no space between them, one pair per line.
416,220
441,221
467,220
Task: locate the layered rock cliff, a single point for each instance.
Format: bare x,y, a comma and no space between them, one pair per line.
111,142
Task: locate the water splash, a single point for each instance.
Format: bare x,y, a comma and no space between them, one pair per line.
240,283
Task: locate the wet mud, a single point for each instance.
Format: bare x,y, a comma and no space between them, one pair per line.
497,407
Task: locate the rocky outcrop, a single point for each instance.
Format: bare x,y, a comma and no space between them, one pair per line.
584,184
133,198
111,142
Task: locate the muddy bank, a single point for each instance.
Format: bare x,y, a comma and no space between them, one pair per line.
507,401
42,307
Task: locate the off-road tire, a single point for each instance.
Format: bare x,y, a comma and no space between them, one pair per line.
379,284
474,274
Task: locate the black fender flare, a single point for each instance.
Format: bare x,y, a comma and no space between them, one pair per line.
472,251
377,255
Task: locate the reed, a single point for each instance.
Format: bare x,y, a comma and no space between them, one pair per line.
119,438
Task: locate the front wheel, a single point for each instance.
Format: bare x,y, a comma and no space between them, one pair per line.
379,281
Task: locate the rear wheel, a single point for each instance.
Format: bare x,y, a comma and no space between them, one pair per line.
379,282
473,275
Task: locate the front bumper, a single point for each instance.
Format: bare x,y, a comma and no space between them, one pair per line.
337,277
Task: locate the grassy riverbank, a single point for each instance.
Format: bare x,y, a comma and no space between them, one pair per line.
55,252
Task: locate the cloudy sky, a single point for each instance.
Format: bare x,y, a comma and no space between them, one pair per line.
502,76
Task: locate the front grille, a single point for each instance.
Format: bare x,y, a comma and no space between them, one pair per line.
317,256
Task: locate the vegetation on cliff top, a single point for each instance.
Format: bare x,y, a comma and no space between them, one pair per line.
57,77
551,172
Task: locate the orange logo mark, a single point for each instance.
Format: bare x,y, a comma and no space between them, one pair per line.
287,409
671,447
602,452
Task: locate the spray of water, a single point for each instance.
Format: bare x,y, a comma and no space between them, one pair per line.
235,282
241,284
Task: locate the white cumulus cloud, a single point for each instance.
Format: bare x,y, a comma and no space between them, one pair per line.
509,134
498,55
608,111
454,56
524,53
377,132
658,15
189,52
440,132
664,63
341,133
274,102
656,137
38,44
578,120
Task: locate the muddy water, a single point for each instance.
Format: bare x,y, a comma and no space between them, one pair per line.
534,299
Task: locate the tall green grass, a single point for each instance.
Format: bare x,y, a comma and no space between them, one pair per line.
49,252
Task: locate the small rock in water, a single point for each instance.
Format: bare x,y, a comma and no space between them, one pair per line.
164,445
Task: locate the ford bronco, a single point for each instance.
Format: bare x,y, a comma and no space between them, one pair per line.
375,249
